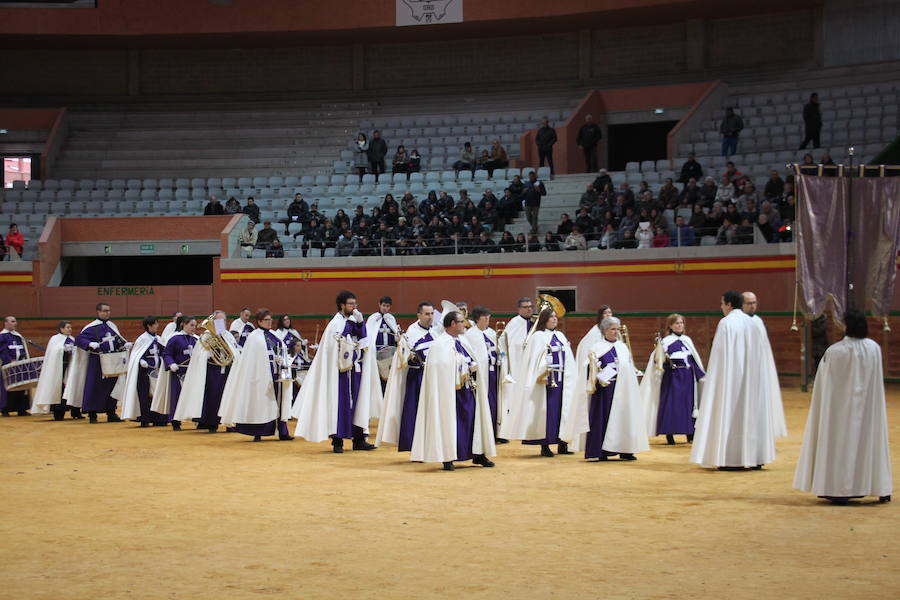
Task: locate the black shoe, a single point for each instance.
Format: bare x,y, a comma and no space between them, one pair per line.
670,439
448,466
546,451
481,459
213,428
757,468
362,444
563,448
337,445
884,499
731,468
92,417
24,413
5,413
59,416
144,424
257,438
176,425
76,413
285,437
159,424
627,456
837,499
501,440
112,417
690,438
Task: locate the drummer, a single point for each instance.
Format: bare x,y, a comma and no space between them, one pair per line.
49,391
86,387
12,348
383,326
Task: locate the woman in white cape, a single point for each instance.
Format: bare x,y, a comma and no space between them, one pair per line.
176,357
49,392
144,365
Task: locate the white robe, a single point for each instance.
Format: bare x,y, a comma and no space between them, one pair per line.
131,405
735,427
769,381
652,380
193,388
434,439
510,343
49,387
74,392
316,405
474,339
168,332
845,446
394,392
373,324
249,395
162,399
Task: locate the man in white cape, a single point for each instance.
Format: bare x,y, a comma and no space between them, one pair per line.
170,328
735,429
242,326
482,338
383,330
769,374
342,389
48,394
511,349
453,422
845,451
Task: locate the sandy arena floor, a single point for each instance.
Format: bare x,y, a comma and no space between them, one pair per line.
114,511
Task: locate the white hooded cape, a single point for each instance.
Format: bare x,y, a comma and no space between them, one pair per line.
389,423
652,380
74,392
131,408
249,395
49,387
434,439
769,381
735,427
316,404
168,332
373,322
845,446
193,388
474,339
511,342
162,399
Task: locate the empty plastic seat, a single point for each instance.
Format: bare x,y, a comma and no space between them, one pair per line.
510,173
244,183
260,182
465,176
98,195
116,184
18,185
35,185
276,182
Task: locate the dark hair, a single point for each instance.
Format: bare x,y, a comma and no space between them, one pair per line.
246,308
262,313
603,308
449,318
100,305
733,299
281,321
147,322
478,312
523,299
423,305
62,324
856,323
385,300
343,297
180,321
543,318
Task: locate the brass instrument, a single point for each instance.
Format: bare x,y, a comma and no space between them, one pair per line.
284,371
220,352
499,326
545,302
592,373
623,335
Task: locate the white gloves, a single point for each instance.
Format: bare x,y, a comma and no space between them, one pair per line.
607,374
94,345
473,368
279,360
68,348
145,364
173,367
357,316
128,345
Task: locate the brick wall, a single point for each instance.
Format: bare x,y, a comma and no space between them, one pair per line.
652,49
761,40
64,71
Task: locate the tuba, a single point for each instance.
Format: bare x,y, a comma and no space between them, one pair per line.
546,302
220,352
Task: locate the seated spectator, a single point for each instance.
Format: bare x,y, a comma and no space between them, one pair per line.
690,169
330,234
315,214
365,248
628,222
767,208
745,232
313,238
609,238
275,250
455,226
725,194
708,192
388,202
727,233
486,244
488,196
584,223
374,218
472,243
576,240
627,242
588,198
598,213
657,220
551,242
248,239
475,226
466,160
619,208
404,248
625,190
484,159
392,217
826,160
737,178
644,235
698,219
690,194
232,207
400,162
774,186
750,212
213,207
602,180
565,225
607,193
266,236
345,244
747,194
714,220
297,214
420,247
668,194
445,204
661,238
498,159
643,188
15,240
407,201
765,228
488,216
787,203
684,235
442,245
415,163
251,209
520,242
646,201
534,244
507,242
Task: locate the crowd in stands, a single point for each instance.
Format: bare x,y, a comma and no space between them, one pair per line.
12,247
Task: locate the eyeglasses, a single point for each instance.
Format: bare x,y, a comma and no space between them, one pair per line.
266,319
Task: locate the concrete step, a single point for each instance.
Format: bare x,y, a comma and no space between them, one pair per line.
80,154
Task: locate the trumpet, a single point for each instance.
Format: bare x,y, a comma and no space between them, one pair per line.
219,351
623,334
546,302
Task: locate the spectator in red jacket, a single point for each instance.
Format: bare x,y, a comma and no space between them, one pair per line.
15,239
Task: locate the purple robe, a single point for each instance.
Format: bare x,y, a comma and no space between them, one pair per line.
492,380
411,393
275,348
676,392
598,412
385,335
556,357
348,386
153,357
465,414
177,352
12,348
97,389
242,336
216,377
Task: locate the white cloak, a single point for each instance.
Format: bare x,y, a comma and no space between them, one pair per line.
626,431
316,405
49,387
769,381
474,339
652,380
168,332
74,392
131,408
162,399
193,388
389,423
845,446
434,439
735,427
249,395
511,343
373,324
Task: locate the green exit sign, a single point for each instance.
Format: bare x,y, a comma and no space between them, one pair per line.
148,248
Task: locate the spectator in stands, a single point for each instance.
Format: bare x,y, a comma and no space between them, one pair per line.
609,238
737,178
602,181
691,168
377,151
644,235
364,247
619,208
388,202
499,159
808,160
826,159
727,233
786,204
643,188
551,242
475,225
442,244
359,213
392,217
488,196
730,129
341,221
589,198
657,220
765,228
509,206
714,220
747,196
400,162
544,139
668,194
265,236
445,204
313,238
584,223
275,250
565,225
251,210
486,244
517,187
628,222
406,201
708,192
213,207
14,239
248,239
785,233
661,238
507,242
684,235
232,207
315,214
297,212
774,186
330,234
345,244
532,200
360,154
415,163
519,246
698,220
484,159
745,231
466,160
812,121
690,194
488,216
725,193
625,190
534,244
627,240
404,247
589,135
772,215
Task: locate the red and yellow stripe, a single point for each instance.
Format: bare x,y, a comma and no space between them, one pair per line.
15,278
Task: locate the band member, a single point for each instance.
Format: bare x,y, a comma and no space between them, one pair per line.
204,381
511,347
616,416
48,395
176,357
144,367
86,388
769,374
592,335
171,328
401,399
735,428
845,451
242,327
13,347
453,423
383,327
668,389
546,386
257,394
297,348
342,388
483,341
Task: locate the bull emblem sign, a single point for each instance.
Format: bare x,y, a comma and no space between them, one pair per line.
425,12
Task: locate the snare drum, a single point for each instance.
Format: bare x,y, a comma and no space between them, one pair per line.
22,374
384,357
114,364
